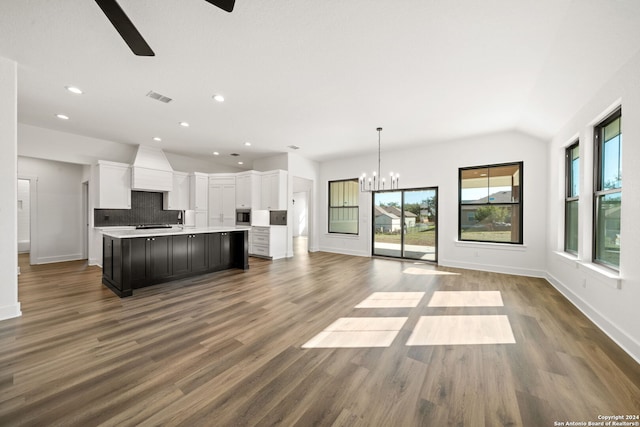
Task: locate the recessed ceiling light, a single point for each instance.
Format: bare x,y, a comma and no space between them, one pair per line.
218,98
248,144
157,138
215,153
241,163
74,89
62,117
184,124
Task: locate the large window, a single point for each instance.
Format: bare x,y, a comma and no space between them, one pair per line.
607,197
343,206
572,193
491,203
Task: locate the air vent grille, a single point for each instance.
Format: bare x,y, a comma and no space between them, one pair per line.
159,97
293,147
234,154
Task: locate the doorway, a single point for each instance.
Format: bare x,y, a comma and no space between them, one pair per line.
301,220
406,224
24,216
27,212
85,220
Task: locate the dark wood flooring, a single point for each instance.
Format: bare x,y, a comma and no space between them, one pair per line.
225,350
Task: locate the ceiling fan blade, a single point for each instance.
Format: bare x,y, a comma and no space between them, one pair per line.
226,5
125,27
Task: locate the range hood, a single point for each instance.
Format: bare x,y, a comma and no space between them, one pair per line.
151,171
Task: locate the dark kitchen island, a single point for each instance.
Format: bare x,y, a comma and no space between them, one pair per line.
137,258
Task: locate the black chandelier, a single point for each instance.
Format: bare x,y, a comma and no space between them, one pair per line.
377,182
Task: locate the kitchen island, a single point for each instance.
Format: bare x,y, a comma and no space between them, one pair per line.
137,258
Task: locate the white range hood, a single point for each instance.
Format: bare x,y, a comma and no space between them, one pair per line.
151,170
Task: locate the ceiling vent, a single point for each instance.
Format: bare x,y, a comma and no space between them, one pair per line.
293,147
159,97
234,154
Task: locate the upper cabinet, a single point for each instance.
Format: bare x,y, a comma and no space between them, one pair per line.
248,190
274,190
113,185
178,197
198,189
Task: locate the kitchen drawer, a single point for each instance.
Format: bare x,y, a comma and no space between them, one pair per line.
262,231
260,239
260,250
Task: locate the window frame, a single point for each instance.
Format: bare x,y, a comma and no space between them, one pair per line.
569,197
519,203
330,207
598,191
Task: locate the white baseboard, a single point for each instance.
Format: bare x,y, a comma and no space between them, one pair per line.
343,251
24,246
617,334
58,258
493,268
10,311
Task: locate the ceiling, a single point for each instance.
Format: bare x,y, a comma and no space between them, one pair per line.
322,75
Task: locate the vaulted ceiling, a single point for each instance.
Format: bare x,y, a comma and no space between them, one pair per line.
321,75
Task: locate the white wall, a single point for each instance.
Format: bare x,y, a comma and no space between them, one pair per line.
437,165
59,209
41,143
9,305
612,303
279,161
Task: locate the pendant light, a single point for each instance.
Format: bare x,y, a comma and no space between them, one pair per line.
377,182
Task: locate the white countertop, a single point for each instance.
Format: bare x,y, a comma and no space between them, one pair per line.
125,233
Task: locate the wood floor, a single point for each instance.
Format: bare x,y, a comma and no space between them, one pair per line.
226,349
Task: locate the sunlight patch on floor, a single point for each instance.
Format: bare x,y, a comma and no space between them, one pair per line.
356,332
428,272
466,299
391,300
462,330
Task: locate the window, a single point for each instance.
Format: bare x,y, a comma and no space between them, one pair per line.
343,206
491,203
572,179
607,197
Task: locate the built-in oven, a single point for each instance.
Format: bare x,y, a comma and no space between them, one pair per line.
243,216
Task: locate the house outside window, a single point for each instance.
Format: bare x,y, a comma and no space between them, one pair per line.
490,203
572,179
344,206
607,197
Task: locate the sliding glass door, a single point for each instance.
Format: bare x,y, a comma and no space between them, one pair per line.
405,223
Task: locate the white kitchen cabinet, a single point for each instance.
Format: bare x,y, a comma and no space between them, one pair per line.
200,219
274,190
222,201
178,197
268,242
198,191
113,185
248,190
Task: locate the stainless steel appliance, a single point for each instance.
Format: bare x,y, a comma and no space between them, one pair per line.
278,218
243,216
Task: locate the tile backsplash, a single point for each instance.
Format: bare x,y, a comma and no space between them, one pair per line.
146,208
